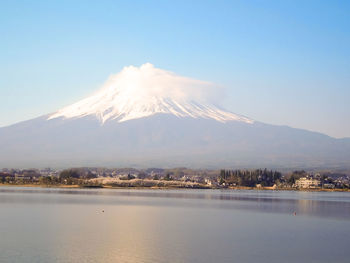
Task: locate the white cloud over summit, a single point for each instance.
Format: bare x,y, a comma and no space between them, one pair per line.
138,92
148,81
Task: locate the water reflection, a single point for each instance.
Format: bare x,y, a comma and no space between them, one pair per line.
196,226
320,204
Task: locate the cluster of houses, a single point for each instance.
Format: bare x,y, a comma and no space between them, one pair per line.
11,175
26,175
318,181
307,182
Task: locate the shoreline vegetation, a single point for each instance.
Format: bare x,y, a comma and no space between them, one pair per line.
178,178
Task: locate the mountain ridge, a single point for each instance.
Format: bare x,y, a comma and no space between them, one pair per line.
149,117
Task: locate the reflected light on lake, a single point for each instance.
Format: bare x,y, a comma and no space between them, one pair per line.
108,225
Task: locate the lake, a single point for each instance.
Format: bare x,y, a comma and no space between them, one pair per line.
112,225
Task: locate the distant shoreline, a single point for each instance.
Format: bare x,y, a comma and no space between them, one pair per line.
174,188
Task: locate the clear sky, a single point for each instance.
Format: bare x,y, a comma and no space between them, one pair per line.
282,62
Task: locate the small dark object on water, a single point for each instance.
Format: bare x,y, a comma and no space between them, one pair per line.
103,211
295,213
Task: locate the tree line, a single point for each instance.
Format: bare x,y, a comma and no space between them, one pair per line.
249,178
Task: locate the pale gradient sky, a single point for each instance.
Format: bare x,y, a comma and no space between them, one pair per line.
282,62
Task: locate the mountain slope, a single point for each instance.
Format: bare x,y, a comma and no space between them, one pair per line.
148,117
165,140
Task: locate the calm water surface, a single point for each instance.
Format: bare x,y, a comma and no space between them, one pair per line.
107,225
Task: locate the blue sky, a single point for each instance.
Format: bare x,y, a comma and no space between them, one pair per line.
282,62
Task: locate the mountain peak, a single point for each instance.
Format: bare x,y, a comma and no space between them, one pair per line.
138,92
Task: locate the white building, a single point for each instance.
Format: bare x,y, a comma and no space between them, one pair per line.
305,182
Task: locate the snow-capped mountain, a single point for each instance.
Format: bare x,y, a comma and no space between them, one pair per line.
149,117
142,92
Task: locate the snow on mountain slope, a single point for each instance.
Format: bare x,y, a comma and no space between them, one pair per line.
142,92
